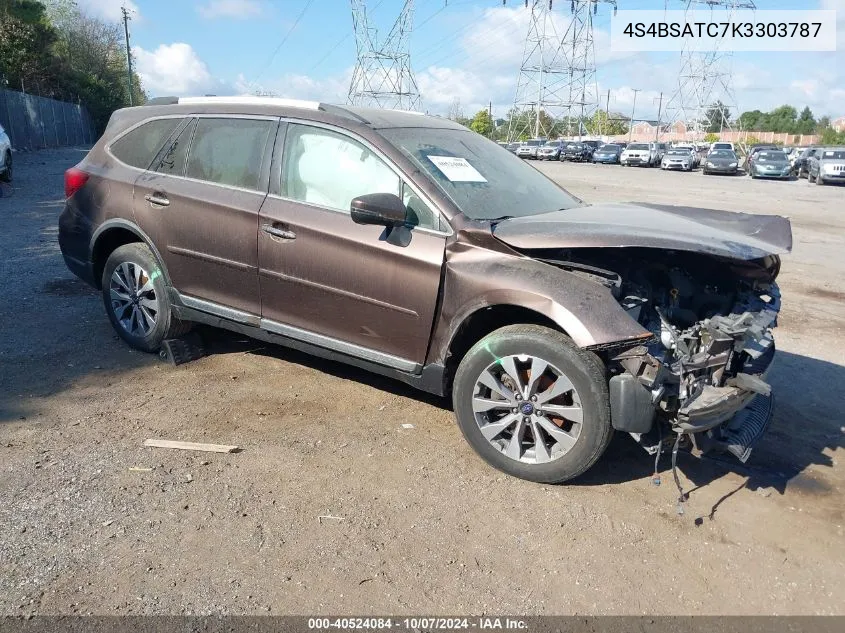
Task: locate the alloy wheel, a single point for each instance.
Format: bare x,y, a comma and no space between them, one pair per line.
527,409
133,299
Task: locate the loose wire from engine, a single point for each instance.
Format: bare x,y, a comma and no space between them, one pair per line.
656,477
682,496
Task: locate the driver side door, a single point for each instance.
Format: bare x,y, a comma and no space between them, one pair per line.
337,284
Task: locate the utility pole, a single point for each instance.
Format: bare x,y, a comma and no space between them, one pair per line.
606,114
633,111
490,114
126,19
659,112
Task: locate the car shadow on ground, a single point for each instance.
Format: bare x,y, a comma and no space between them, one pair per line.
806,422
807,427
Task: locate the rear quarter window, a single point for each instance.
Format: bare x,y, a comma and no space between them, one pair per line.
139,147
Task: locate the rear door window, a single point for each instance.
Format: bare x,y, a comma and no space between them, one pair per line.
175,156
229,151
139,147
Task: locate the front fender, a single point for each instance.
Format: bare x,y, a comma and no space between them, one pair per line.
476,278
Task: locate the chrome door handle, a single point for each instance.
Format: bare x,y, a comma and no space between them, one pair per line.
158,199
277,232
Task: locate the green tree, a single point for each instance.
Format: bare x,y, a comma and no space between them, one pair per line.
755,120
608,125
482,123
27,60
711,137
806,122
782,119
829,136
822,124
718,115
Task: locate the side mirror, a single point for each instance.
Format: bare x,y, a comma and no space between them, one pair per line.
384,209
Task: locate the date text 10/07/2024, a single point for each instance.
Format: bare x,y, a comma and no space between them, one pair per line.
430,624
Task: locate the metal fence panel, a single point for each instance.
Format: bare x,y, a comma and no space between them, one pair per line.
34,122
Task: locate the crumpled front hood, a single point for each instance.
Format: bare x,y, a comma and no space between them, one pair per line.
722,233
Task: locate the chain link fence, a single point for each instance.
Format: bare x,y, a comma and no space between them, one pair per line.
37,122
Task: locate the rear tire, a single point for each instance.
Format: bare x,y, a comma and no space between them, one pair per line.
136,299
809,178
566,406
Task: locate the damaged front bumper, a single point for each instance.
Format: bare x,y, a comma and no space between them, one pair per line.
708,381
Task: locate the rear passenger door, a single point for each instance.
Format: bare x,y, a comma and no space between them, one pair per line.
200,201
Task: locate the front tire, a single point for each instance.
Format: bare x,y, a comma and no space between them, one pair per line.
533,404
136,298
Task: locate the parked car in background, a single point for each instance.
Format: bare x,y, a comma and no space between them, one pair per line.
529,149
722,145
549,322
827,165
640,154
799,167
680,159
594,145
5,156
576,151
609,153
721,161
770,163
696,157
511,147
550,151
754,151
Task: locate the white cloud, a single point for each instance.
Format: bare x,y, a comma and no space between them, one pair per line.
108,10
239,9
175,69
331,89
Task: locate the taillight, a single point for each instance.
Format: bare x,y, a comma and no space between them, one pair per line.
75,179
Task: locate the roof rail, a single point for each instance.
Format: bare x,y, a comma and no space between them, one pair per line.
252,100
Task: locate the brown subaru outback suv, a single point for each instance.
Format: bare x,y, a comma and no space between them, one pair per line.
417,249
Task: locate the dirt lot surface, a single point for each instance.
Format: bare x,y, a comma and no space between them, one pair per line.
420,524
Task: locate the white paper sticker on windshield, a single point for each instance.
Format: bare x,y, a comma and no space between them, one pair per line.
457,169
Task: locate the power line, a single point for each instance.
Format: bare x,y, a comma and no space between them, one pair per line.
284,39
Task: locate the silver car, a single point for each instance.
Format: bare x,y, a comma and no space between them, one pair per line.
827,165
680,158
528,149
550,151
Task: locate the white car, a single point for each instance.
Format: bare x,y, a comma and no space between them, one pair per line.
647,154
5,156
723,145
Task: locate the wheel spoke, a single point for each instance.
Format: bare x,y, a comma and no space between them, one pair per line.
480,405
150,321
126,274
133,320
561,386
509,365
147,287
541,451
117,295
514,450
558,435
491,430
538,368
137,272
118,280
573,414
489,380
150,304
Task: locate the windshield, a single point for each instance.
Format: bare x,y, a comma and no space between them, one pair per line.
638,146
772,157
721,145
574,146
678,152
609,148
833,155
533,143
722,153
552,144
484,181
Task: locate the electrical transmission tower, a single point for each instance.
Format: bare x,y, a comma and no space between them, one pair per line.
556,89
705,76
383,77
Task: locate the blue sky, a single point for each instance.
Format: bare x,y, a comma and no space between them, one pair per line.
469,50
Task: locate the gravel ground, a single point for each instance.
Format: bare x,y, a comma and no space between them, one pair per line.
92,522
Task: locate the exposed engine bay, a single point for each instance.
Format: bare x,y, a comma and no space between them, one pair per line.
702,375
